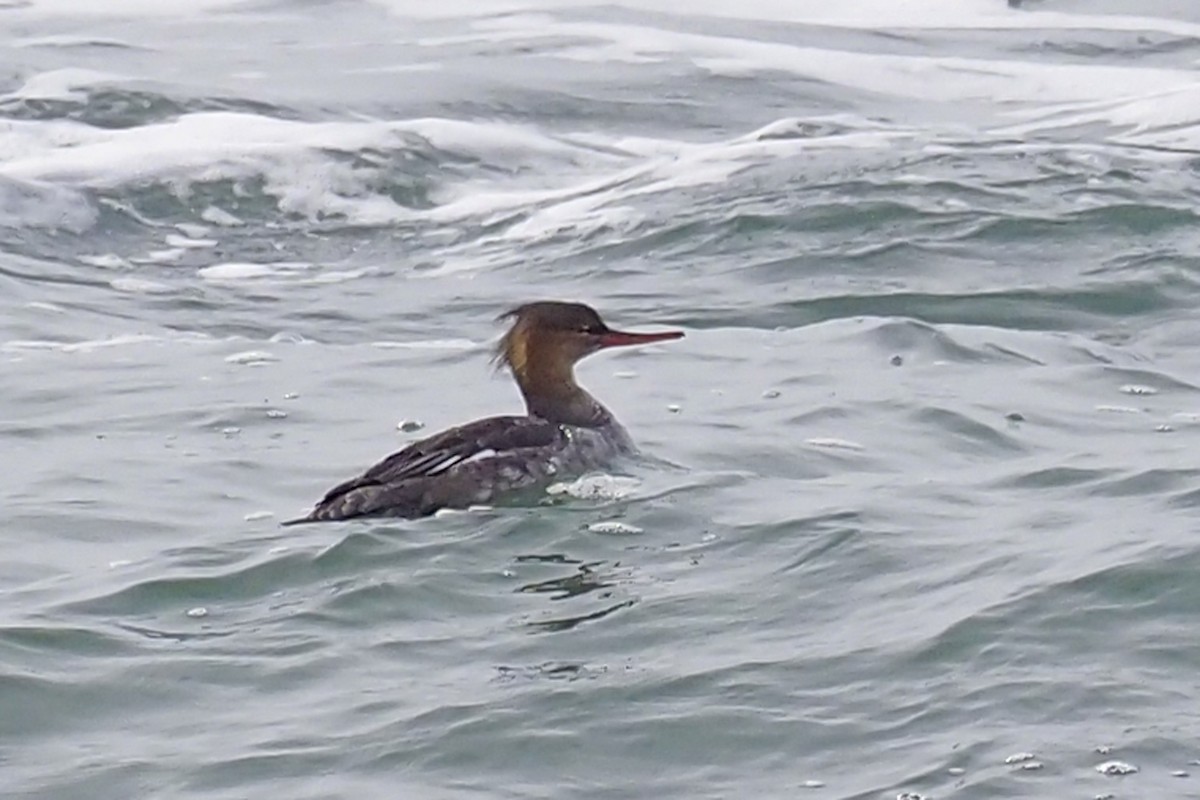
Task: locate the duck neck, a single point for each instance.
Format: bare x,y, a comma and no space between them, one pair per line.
550,392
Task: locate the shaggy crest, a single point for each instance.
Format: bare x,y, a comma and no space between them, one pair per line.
512,350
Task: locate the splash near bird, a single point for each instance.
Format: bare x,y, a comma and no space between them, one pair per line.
565,432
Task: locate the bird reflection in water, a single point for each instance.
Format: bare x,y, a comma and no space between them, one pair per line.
585,579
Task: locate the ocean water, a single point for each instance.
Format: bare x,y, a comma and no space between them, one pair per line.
920,513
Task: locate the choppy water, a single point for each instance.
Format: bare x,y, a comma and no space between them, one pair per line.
928,508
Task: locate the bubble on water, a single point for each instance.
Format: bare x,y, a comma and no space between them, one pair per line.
614,528
409,425
1133,388
1018,758
1164,428
813,784
231,430
120,562
625,373
674,408
1104,749
257,515
770,394
251,357
1180,773
1116,768
275,413
912,796
197,612
290,396
956,771
1031,766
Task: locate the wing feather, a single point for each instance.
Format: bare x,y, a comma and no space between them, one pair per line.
443,451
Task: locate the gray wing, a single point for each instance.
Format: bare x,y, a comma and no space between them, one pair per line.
437,454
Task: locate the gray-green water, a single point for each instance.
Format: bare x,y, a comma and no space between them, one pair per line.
924,494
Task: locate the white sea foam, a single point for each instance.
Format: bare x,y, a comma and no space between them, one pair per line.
166,338
140,286
192,230
917,14
596,203
120,8
832,443
209,147
41,305
588,182
61,84
1112,409
1155,102
297,160
1116,768
68,40
614,528
940,78
85,346
861,14
340,276
187,242
251,358
104,261
167,255
244,271
596,487
427,344
219,216
295,272
392,69
1169,117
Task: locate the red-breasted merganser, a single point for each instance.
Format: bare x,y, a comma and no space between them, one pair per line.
565,433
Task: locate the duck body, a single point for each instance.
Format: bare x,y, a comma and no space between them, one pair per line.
474,464
565,433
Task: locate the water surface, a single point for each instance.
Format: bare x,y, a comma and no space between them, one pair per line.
920,509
